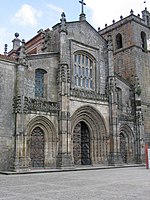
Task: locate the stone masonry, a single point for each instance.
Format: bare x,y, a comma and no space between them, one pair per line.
75,96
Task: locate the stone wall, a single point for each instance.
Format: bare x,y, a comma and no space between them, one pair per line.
7,125
48,62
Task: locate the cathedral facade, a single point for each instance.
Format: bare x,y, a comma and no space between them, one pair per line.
75,96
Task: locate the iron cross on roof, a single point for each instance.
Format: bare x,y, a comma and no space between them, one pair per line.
82,4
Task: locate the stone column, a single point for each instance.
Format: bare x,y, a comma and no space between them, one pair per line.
139,123
64,158
114,155
20,111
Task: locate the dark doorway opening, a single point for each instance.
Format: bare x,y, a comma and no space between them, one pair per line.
81,144
123,147
37,148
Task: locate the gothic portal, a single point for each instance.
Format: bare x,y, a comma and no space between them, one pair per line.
127,144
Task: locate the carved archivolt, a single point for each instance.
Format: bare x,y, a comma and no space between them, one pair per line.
44,123
49,130
127,143
97,130
127,130
91,117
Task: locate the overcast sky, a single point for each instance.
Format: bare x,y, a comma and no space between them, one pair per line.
28,16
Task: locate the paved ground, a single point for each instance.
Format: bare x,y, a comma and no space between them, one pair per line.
113,184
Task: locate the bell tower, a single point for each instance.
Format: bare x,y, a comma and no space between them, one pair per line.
131,59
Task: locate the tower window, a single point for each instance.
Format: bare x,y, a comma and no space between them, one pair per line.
143,41
119,41
39,82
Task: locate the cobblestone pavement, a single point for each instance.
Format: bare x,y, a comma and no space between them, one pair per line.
113,184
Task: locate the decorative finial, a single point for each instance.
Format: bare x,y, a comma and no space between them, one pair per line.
131,12
22,54
23,42
16,35
113,21
138,15
5,49
63,22
16,41
105,25
99,28
63,17
121,17
145,3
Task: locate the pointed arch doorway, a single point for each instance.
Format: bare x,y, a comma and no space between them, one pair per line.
81,144
37,147
127,144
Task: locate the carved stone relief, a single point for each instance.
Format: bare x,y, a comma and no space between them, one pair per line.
29,105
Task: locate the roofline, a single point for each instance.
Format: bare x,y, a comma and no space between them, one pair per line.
123,80
40,55
96,31
127,19
7,58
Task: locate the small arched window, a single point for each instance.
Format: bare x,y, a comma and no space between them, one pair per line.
84,70
119,98
39,82
119,41
143,41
